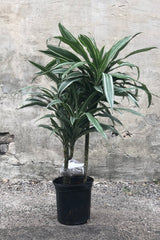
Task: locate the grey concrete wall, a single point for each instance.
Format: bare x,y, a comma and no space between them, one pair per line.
24,27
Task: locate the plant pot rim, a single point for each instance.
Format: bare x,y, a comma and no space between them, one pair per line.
75,181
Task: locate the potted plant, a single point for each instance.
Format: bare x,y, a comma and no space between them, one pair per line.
86,84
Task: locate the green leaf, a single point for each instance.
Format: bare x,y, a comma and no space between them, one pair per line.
119,91
50,53
72,120
55,89
46,127
113,119
96,124
129,110
75,74
109,127
63,64
87,103
45,71
46,116
114,51
38,65
91,47
54,123
120,45
122,76
127,64
66,34
54,131
90,130
101,52
35,103
54,102
139,51
59,70
75,65
47,92
66,84
133,99
108,88
26,88
143,87
71,41
63,53
51,64
124,89
42,99
98,89
68,109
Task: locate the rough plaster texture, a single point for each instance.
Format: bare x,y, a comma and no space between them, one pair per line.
25,25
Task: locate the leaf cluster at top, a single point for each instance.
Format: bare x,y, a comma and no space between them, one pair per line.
86,83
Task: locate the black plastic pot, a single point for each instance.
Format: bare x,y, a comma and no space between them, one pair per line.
73,200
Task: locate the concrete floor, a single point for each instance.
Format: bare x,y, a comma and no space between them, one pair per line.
28,212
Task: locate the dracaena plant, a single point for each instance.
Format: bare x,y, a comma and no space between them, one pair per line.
86,83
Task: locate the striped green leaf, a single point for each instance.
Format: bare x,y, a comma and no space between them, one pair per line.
63,53
65,84
72,42
139,51
54,131
108,88
54,102
35,103
91,47
113,119
66,34
72,67
46,116
119,46
127,64
87,103
96,124
122,76
98,89
109,127
46,127
129,110
54,123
